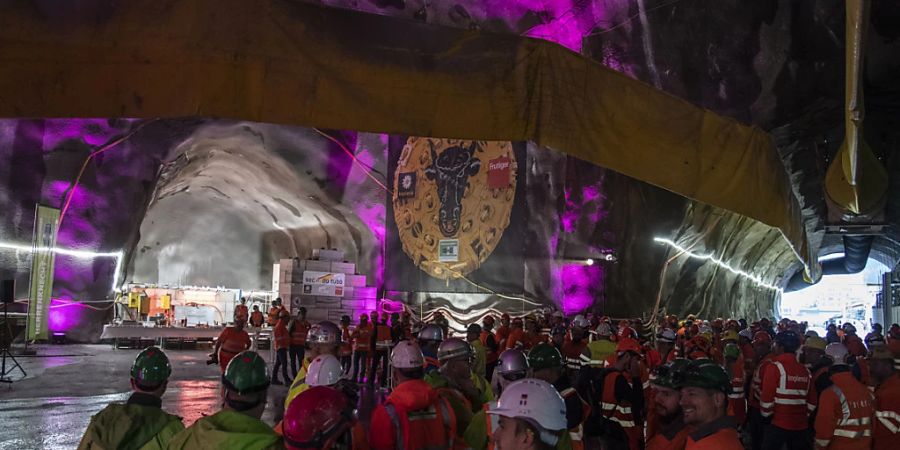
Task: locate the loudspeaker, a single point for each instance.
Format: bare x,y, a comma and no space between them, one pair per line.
7,291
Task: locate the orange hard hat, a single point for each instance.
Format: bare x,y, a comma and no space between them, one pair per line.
628,345
762,337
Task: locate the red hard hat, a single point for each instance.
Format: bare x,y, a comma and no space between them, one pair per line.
628,345
627,332
732,324
316,418
762,336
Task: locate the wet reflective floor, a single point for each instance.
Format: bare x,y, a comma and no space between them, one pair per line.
52,406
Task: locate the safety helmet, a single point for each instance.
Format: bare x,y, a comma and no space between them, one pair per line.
246,373
535,401
512,361
838,353
815,342
668,374
718,324
731,351
730,335
762,337
732,324
697,347
544,356
324,370
666,335
316,418
874,339
706,374
454,348
628,345
324,332
746,334
627,333
810,333
604,329
407,355
474,328
787,339
431,332
151,368
557,330
581,322
848,328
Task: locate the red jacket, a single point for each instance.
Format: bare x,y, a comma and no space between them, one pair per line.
737,402
785,394
844,420
756,382
435,427
887,414
282,336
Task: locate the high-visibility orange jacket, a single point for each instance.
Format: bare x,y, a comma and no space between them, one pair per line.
273,315
257,319
299,329
785,393
844,420
814,381
737,402
383,340
346,341
854,345
865,377
571,351
241,311
282,337
233,342
362,338
516,338
887,414
718,435
413,417
670,437
615,404
489,342
501,335
756,382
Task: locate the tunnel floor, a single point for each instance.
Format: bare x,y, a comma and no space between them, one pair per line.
67,384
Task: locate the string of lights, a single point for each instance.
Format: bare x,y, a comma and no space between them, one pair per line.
749,276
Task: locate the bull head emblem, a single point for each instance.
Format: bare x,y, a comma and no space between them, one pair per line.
451,171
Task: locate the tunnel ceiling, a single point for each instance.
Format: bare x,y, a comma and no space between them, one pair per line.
214,202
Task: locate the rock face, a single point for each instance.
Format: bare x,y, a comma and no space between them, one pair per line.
203,202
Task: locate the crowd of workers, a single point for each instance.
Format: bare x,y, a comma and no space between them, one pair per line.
534,382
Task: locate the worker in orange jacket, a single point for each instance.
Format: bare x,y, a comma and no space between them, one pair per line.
273,313
383,342
704,402
298,328
622,394
492,349
516,337
887,396
762,345
734,366
231,341
846,408
784,400
502,332
362,343
256,317
666,382
282,344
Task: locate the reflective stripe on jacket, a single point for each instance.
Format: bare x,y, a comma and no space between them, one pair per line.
785,393
844,420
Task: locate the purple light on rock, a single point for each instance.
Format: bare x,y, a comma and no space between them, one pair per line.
579,286
64,315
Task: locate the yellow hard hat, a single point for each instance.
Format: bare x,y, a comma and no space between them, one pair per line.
730,335
815,342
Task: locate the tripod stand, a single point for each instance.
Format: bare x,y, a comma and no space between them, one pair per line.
4,352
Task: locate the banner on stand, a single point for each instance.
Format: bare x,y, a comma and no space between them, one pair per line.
46,220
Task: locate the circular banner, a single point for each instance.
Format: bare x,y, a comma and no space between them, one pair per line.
452,200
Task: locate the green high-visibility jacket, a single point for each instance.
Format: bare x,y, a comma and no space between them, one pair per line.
130,426
228,430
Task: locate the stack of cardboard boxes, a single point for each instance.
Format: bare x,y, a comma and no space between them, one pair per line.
326,285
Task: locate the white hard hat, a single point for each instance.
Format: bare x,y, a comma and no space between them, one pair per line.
454,348
407,355
431,332
536,401
511,361
666,335
324,332
325,370
604,329
837,352
580,321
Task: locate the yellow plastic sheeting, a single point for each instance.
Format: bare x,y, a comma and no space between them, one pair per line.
856,181
295,63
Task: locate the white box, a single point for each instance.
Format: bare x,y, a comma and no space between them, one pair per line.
328,255
313,265
343,267
355,281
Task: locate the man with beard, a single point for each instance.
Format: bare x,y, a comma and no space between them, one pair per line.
673,432
704,403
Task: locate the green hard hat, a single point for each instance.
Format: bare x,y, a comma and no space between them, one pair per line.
669,375
544,356
731,351
151,368
246,373
706,374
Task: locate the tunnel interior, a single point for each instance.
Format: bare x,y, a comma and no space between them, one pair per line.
211,202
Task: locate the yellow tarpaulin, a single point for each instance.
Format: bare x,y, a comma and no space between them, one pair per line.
295,63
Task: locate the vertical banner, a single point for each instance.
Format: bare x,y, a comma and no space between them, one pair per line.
46,220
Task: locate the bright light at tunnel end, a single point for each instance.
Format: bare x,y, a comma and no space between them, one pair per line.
753,278
84,254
